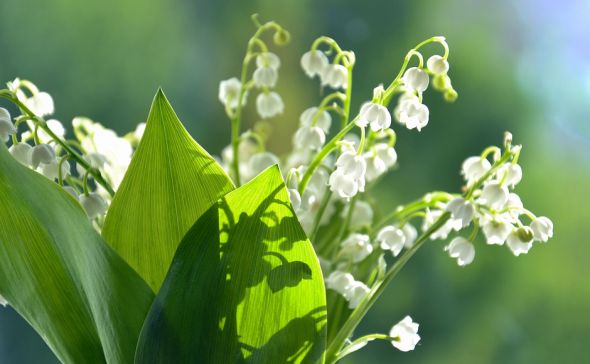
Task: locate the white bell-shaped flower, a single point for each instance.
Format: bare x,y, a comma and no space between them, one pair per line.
295,198
23,153
356,293
391,238
7,128
352,164
335,76
93,204
314,63
268,59
343,185
56,127
461,210
41,104
413,114
461,249
379,159
357,247
375,115
339,281
474,168
520,241
494,195
269,104
415,79
258,163
51,170
229,92
322,118
511,173
406,332
542,229
42,153
362,215
437,65
496,230
265,77
411,234
309,137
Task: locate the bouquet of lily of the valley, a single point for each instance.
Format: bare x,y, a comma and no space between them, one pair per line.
144,248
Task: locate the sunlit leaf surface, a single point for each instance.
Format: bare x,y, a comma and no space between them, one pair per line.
58,273
245,286
171,181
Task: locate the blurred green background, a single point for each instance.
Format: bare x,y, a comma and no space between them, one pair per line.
517,65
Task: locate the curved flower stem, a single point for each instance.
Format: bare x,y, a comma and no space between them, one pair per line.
357,315
362,341
326,150
95,173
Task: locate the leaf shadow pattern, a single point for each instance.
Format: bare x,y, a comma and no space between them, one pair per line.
244,286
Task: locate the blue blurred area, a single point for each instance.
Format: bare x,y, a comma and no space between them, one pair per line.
519,66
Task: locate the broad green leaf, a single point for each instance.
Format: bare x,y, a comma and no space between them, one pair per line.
170,183
245,286
58,273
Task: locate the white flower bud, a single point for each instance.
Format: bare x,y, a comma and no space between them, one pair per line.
356,293
323,119
357,246
474,168
374,114
362,215
72,191
415,79
462,249
542,229
314,63
379,159
461,210
229,92
93,204
268,59
42,153
391,238
51,170
23,153
335,76
437,65
411,235
309,138
295,198
518,242
265,77
343,185
7,128
512,173
269,104
406,332
494,195
339,281
41,104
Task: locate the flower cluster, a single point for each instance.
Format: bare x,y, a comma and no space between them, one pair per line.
96,152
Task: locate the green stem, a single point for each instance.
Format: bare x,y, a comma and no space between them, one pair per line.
72,153
357,315
352,347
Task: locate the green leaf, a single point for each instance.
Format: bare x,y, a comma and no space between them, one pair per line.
245,286
170,183
58,273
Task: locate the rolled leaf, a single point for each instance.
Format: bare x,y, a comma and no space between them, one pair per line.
170,182
245,286
58,273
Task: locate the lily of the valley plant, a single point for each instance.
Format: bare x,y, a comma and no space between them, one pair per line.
144,248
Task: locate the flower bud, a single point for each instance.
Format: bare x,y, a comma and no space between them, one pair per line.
322,119
450,95
93,204
7,128
542,229
268,59
42,153
269,104
462,249
265,77
23,153
437,65
314,63
335,76
415,79
391,238
281,37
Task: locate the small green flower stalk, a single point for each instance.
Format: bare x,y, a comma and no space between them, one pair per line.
143,248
